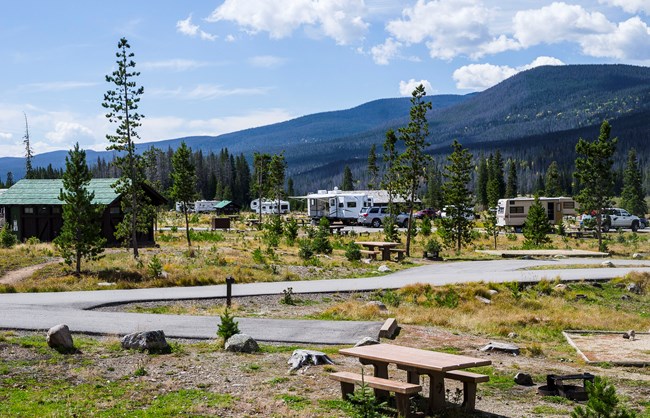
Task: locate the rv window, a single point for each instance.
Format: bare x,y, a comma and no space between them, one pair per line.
569,205
516,209
115,210
340,204
352,204
29,210
284,207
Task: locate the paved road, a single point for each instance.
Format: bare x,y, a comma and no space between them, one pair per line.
40,311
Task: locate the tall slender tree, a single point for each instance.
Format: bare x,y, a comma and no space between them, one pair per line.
482,182
183,188
121,103
633,196
594,175
456,228
413,161
373,168
348,181
536,227
80,236
260,185
28,152
511,183
552,186
277,169
391,176
434,195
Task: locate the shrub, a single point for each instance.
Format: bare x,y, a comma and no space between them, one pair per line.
305,250
425,228
432,246
603,402
391,233
7,238
258,256
287,297
353,252
291,231
321,243
32,241
228,326
155,267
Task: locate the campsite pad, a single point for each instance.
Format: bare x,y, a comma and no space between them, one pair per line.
611,347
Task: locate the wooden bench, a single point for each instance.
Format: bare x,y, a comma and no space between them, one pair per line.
400,253
469,380
370,254
402,390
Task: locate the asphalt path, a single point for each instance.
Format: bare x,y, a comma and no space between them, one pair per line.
40,311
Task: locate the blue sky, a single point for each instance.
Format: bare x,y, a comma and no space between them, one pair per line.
212,67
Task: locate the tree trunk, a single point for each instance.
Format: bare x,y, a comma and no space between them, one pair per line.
187,226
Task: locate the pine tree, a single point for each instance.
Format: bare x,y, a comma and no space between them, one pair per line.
373,169
594,175
122,105
632,196
28,152
390,180
434,195
260,185
10,179
227,326
536,227
511,184
277,168
456,228
552,185
183,188
481,182
495,184
80,236
412,163
348,181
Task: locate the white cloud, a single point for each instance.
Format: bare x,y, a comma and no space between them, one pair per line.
596,35
58,86
5,135
449,28
208,92
384,53
266,61
230,38
630,6
68,132
173,65
341,20
186,27
483,76
406,87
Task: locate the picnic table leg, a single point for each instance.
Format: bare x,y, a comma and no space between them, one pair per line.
436,392
412,377
381,370
385,254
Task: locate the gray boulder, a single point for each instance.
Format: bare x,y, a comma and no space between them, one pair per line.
152,341
634,288
384,269
503,347
60,338
607,264
301,358
242,343
637,256
630,335
366,341
524,379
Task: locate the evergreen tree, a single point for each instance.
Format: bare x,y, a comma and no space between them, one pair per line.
490,224
594,175
434,195
413,161
456,228
260,185
632,196
348,181
481,182
495,184
122,104
391,177
80,236
277,169
536,227
373,169
10,179
183,188
511,184
552,185
28,152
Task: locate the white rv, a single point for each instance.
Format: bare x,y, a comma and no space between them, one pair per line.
270,206
513,212
337,205
205,205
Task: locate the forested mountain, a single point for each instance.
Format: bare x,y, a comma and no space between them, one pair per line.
534,117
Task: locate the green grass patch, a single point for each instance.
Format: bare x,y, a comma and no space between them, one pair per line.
294,402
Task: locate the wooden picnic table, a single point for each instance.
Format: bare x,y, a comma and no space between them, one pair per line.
415,362
382,246
336,229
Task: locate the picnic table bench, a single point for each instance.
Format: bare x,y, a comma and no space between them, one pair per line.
371,254
382,246
400,253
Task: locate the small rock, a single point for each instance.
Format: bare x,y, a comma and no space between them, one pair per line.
379,304
504,347
524,379
383,269
366,341
527,257
634,288
607,264
366,260
559,256
301,358
560,287
105,284
597,285
482,299
241,343
493,292
60,338
626,297
637,256
580,296
629,335
152,341
513,335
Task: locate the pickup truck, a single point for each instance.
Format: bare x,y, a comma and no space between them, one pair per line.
615,218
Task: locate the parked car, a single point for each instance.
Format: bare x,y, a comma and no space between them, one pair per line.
469,216
614,218
425,213
374,216
643,223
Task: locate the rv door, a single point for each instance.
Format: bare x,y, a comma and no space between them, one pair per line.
333,208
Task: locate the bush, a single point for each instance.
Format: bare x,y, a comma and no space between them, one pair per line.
353,252
432,246
7,238
305,250
603,402
291,231
155,267
391,233
425,228
321,243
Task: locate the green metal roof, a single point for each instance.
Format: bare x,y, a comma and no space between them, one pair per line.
46,192
222,204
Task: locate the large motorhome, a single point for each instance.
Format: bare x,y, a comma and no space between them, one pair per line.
337,205
513,212
270,206
205,205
